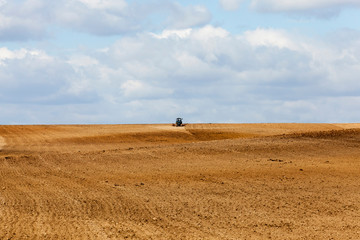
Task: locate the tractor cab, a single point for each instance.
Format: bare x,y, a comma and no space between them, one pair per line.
179,122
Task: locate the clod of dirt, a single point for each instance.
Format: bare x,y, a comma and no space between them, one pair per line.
276,160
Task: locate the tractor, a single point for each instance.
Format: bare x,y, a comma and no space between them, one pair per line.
179,122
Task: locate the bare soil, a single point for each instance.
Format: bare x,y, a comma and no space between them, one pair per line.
202,181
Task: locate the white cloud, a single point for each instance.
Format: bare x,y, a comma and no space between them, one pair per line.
189,16
31,19
183,33
205,74
82,61
289,5
6,54
316,8
22,21
135,89
270,38
319,8
99,17
118,5
32,76
209,33
230,5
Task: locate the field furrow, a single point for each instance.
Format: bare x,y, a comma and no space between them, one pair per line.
201,181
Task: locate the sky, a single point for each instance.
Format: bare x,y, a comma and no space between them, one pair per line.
151,61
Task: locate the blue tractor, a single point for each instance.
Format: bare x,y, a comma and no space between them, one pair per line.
179,122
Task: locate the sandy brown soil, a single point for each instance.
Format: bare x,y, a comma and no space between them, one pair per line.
202,181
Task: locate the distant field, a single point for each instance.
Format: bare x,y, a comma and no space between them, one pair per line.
201,181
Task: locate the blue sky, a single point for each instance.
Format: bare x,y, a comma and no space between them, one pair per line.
129,61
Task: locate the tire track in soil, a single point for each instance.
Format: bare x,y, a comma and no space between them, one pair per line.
34,223
23,196
2,143
17,203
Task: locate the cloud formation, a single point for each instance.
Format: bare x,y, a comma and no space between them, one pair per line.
288,5
230,5
30,19
185,17
202,74
33,77
315,8
22,21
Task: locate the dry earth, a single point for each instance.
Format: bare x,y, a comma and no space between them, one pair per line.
202,181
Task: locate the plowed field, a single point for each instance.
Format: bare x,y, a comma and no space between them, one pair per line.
201,181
